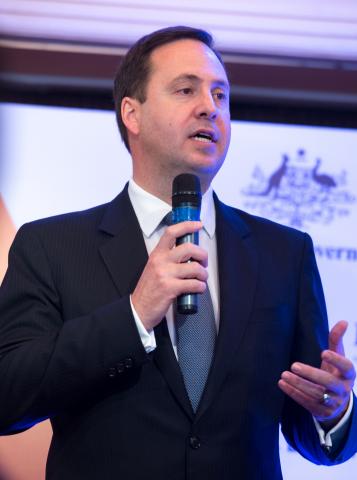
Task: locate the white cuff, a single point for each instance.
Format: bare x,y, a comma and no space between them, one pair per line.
147,338
326,437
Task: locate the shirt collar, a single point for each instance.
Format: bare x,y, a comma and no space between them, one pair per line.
150,210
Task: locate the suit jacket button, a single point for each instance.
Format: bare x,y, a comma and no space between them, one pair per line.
120,367
128,362
112,372
194,442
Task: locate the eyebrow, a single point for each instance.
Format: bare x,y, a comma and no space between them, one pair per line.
194,78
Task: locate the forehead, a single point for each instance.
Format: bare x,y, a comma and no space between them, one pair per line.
190,57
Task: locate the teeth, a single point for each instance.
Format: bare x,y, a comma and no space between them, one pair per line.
203,137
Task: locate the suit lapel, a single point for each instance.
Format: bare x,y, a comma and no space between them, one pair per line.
125,256
238,267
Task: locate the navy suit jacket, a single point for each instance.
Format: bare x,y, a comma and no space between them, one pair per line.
70,351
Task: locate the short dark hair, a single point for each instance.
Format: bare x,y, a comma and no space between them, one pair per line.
133,74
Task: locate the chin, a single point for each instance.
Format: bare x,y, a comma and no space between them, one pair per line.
208,166
198,163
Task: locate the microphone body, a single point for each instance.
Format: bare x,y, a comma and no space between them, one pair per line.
186,205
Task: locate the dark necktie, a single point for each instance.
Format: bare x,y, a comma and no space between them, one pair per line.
196,337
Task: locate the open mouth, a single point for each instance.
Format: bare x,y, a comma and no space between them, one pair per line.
204,136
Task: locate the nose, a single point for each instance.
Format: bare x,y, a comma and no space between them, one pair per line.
206,107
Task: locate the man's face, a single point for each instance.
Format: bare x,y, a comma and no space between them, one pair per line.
184,123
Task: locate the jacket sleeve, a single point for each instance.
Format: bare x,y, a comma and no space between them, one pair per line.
48,365
311,337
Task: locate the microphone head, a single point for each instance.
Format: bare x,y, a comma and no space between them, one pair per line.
186,190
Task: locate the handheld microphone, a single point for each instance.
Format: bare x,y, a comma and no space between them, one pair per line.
186,205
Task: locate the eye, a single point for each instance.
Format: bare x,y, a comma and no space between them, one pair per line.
185,91
221,96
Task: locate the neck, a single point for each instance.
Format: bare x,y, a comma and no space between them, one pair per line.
156,176
163,188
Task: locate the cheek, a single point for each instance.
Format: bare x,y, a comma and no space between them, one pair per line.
227,122
226,131
171,130
229,134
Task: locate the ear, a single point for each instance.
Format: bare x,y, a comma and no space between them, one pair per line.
130,114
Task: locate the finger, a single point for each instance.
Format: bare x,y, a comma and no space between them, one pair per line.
341,363
189,285
332,411
327,367
311,389
191,270
306,401
319,377
188,251
168,239
336,337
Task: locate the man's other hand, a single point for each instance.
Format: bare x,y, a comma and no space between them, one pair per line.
308,385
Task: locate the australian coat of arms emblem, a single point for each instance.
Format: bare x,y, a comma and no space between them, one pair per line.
299,191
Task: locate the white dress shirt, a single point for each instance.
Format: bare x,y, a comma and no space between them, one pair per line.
150,211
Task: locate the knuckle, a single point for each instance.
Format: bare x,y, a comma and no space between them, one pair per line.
329,412
170,232
346,390
196,286
202,287
350,368
168,237
154,257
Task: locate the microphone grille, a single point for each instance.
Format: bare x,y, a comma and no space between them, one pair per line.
186,189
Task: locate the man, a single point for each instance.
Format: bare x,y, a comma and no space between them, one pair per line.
88,330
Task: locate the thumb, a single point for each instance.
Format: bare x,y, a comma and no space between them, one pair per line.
335,339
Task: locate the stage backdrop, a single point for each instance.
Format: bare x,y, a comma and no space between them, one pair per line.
56,160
